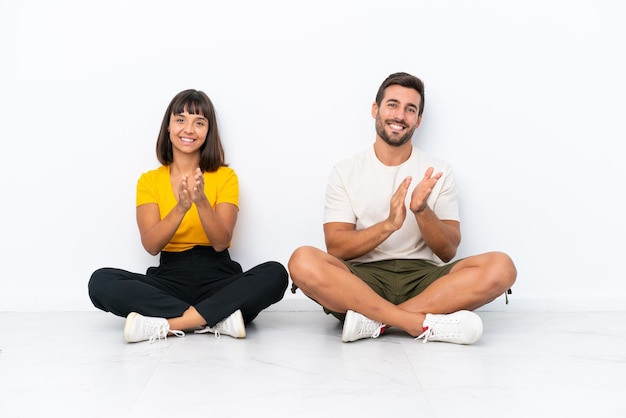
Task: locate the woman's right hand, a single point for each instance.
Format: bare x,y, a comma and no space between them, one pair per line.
184,197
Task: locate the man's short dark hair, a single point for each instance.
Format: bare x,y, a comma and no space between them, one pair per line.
404,80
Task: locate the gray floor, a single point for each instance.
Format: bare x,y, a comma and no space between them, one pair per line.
293,364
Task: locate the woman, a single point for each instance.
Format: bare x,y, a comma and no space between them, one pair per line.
186,211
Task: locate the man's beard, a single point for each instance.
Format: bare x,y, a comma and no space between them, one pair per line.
380,130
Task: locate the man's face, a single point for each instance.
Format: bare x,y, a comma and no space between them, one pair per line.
397,117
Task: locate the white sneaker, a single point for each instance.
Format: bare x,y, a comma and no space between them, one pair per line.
357,326
141,328
233,326
462,327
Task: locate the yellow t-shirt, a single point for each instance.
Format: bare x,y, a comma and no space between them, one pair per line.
221,186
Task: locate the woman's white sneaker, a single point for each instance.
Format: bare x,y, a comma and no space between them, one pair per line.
232,326
146,328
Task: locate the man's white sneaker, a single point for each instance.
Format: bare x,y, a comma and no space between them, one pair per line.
141,328
233,326
357,326
462,327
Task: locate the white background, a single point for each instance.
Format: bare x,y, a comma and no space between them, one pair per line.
526,99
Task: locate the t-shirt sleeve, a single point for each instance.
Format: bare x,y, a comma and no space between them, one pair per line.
337,207
446,205
146,189
229,190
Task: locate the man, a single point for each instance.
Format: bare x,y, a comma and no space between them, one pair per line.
391,223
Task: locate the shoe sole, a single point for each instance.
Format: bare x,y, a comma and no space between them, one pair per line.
478,329
128,325
242,330
347,324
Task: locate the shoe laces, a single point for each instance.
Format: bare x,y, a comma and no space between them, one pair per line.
370,328
214,330
160,331
176,333
428,332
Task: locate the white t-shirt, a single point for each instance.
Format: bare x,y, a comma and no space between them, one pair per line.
359,192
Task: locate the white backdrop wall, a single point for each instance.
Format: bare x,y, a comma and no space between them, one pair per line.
524,98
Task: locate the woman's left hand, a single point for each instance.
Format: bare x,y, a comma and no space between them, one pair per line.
197,191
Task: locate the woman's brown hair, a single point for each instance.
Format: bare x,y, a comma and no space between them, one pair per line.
194,102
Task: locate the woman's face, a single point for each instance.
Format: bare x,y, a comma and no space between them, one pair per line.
188,132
